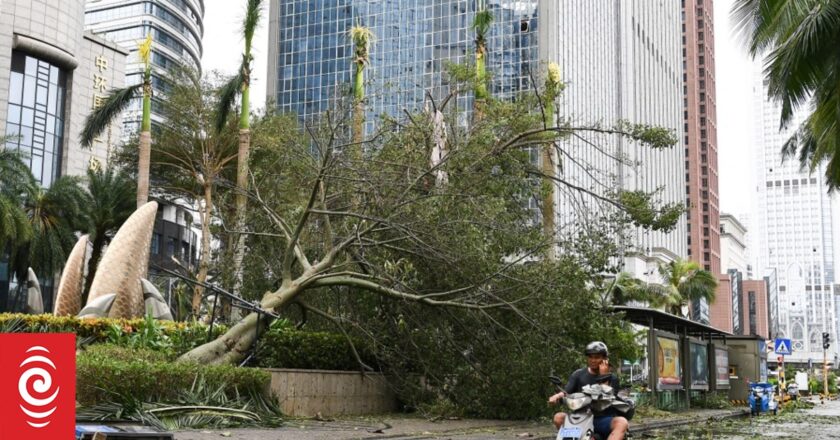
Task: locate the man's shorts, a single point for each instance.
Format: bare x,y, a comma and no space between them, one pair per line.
602,425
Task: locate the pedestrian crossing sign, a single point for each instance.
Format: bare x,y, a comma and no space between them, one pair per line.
782,346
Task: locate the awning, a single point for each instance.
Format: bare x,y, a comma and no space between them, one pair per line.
670,323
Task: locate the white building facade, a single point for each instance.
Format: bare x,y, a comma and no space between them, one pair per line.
733,245
622,60
797,223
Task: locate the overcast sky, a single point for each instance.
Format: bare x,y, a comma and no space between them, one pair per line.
223,45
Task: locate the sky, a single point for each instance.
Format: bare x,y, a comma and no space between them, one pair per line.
223,46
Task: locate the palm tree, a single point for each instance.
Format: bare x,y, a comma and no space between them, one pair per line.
54,215
625,288
241,83
16,182
112,199
191,157
800,38
684,282
553,86
362,38
116,102
481,24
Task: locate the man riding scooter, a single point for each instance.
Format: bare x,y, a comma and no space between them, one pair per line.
608,424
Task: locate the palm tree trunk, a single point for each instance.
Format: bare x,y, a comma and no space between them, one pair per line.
204,260
548,170
95,256
143,160
358,112
241,206
145,151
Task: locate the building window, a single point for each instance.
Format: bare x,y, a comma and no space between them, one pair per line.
156,244
36,114
185,251
171,247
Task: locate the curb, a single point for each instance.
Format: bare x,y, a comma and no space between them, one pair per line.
649,426
686,421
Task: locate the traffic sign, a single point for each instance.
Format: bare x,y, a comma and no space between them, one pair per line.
782,346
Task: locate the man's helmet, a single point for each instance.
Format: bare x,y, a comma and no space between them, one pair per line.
596,347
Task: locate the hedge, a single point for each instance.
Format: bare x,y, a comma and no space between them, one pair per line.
287,348
173,337
278,348
108,373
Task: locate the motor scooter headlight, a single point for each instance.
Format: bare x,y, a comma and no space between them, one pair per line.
577,401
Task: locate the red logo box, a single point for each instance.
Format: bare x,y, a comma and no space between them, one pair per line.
38,386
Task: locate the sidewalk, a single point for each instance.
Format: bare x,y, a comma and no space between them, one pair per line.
405,428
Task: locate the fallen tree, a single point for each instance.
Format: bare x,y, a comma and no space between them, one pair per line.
385,228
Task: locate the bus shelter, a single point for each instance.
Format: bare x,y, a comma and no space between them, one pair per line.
683,355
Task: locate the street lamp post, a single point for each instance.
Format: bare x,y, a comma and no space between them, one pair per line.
826,344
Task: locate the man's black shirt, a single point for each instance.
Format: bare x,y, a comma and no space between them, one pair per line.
582,377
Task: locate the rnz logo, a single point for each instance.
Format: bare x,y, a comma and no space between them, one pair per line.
38,382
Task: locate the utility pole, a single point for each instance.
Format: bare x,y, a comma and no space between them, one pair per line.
826,344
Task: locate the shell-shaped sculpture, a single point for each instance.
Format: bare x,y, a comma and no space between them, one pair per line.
34,301
68,302
124,263
155,304
99,307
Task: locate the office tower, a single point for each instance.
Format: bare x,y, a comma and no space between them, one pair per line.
700,140
797,225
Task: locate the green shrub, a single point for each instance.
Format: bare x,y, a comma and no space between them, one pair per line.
711,400
172,337
285,348
106,373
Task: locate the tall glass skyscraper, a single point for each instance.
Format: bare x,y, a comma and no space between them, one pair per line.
310,52
798,222
175,25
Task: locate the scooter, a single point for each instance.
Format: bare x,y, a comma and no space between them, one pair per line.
580,421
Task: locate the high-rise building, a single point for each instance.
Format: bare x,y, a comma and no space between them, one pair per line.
52,75
175,25
634,48
621,60
797,225
310,53
700,138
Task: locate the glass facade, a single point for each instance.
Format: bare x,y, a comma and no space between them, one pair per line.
36,114
414,41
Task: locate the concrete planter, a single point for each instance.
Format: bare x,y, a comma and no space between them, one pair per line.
308,392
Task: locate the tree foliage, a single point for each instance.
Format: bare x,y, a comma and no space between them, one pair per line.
799,39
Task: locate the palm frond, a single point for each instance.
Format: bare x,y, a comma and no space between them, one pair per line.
227,98
253,13
482,22
99,119
144,49
362,38
55,215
